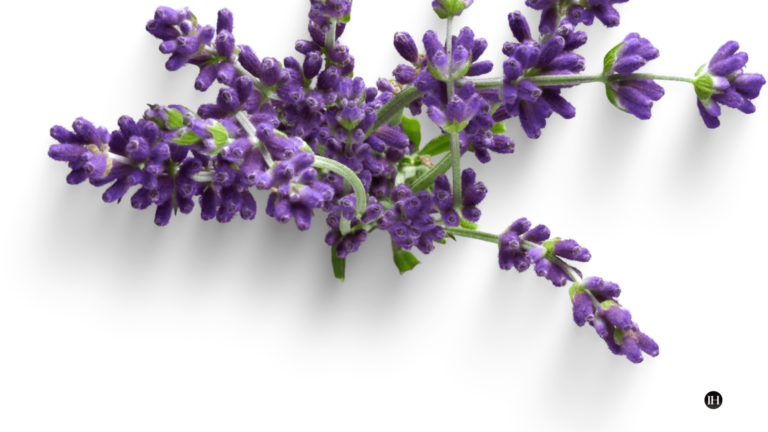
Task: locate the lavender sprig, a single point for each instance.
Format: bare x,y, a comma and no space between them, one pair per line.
319,139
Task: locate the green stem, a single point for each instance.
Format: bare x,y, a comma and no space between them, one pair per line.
456,169
250,129
425,180
345,226
330,37
560,80
455,146
122,159
630,77
351,178
493,238
473,234
395,106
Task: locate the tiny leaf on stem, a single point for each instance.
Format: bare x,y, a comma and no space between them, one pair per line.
412,128
175,119
468,225
610,58
437,146
404,260
339,265
498,128
188,138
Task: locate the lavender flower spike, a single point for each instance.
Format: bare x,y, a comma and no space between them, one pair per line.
635,96
594,302
723,81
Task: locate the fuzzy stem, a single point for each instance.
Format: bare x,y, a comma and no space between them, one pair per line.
425,180
630,77
351,178
330,37
122,159
569,80
455,145
493,238
473,234
203,177
395,106
250,129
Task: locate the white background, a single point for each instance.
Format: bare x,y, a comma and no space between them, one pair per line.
110,323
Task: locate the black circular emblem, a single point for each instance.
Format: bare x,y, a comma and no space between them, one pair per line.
713,400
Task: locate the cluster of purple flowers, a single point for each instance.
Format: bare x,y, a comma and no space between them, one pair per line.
594,300
310,133
520,97
468,111
473,193
521,247
135,154
723,81
635,96
583,12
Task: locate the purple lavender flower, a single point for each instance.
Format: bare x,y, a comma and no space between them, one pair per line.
297,190
522,247
468,111
579,13
723,81
472,194
410,222
406,47
86,150
443,201
635,96
520,97
594,302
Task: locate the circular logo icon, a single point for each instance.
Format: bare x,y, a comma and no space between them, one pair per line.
713,400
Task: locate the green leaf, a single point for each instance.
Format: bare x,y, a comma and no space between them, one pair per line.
412,128
498,128
349,124
175,119
321,149
576,287
610,58
705,87
468,225
618,336
464,69
455,127
436,73
437,146
549,245
339,265
404,260
613,97
220,135
188,138
346,19
395,120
